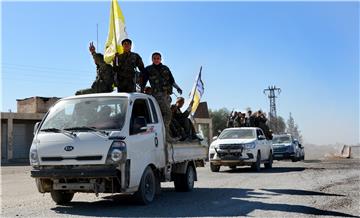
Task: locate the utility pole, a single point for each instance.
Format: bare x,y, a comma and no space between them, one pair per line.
271,92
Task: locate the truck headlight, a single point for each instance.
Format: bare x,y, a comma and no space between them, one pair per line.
117,152
34,158
116,155
249,145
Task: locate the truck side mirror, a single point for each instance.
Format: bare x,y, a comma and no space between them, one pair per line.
139,125
36,127
261,137
214,138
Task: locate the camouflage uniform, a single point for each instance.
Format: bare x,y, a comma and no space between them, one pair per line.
161,82
125,71
104,77
185,122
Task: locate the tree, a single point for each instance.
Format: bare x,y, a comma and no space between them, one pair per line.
277,125
219,119
293,129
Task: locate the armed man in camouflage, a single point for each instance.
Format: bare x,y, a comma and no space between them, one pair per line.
125,65
162,83
104,75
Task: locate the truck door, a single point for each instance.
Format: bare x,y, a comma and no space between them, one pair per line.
158,134
141,150
263,145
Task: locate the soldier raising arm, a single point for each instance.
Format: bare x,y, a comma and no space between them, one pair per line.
104,74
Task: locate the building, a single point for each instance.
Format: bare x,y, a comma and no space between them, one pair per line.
17,128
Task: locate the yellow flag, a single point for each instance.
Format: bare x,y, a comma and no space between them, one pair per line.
117,32
198,91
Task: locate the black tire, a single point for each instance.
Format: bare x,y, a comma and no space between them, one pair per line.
185,182
214,168
257,165
61,197
268,165
147,188
294,159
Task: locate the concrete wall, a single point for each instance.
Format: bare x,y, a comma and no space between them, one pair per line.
16,135
35,104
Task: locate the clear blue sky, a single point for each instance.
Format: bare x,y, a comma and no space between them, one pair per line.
310,50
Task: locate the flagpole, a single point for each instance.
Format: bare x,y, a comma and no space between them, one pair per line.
113,18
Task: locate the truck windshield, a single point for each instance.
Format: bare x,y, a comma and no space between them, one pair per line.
237,134
105,113
281,139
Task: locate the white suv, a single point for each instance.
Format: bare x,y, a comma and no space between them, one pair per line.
240,146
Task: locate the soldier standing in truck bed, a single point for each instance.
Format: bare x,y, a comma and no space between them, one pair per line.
104,75
125,65
162,83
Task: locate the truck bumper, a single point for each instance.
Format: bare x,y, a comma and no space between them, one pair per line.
75,173
233,159
283,156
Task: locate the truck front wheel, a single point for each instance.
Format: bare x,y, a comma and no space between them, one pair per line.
61,197
257,165
147,188
185,182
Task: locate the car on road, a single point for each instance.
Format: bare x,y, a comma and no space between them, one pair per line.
110,143
240,146
287,148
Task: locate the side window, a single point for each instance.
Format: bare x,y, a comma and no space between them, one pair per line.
156,120
259,132
140,109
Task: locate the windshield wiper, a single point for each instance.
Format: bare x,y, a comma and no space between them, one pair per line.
65,132
87,128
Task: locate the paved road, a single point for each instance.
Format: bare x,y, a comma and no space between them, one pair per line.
328,188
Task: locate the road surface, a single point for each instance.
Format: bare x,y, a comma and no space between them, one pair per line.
310,188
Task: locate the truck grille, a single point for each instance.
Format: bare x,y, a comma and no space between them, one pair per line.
279,149
230,146
79,158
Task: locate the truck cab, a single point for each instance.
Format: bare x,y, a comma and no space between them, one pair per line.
109,143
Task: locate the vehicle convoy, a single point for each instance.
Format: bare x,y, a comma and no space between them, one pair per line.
287,148
110,143
240,146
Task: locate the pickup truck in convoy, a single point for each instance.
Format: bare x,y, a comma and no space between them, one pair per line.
287,148
110,143
240,146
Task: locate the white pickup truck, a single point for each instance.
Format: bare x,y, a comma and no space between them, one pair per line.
240,146
110,143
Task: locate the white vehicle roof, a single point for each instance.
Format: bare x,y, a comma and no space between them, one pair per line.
111,94
252,128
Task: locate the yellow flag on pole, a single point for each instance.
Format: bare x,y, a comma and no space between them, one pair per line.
198,91
117,33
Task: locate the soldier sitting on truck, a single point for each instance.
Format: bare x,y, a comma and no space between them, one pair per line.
176,130
104,75
182,118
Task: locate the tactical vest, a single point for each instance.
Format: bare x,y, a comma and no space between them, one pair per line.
160,79
127,63
105,73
